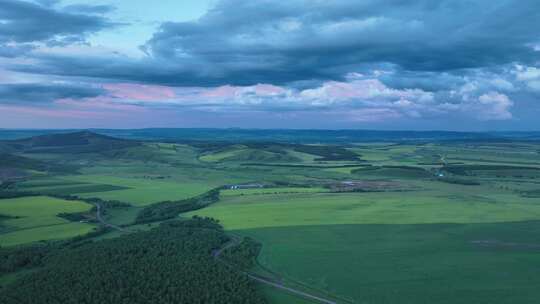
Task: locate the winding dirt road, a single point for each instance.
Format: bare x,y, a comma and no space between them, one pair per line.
268,281
234,242
100,219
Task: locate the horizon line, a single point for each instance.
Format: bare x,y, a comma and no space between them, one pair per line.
270,129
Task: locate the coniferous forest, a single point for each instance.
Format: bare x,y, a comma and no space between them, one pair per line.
169,264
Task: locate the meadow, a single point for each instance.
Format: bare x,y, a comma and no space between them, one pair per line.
420,207
369,222
443,240
415,263
431,245
34,218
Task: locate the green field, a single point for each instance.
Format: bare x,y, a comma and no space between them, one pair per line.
423,207
221,155
436,263
434,243
361,245
277,296
368,223
136,191
35,218
237,153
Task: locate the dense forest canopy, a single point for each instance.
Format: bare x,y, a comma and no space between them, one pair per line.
170,264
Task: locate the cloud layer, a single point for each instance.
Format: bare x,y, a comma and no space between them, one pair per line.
23,24
373,61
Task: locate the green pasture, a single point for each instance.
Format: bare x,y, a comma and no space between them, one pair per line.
507,154
492,155
404,172
390,154
219,156
413,207
35,218
439,243
416,263
141,191
427,240
303,157
151,152
36,211
137,191
241,153
45,233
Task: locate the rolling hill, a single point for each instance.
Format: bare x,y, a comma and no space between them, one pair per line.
76,142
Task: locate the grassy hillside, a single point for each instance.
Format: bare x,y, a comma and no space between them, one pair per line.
36,218
77,142
421,207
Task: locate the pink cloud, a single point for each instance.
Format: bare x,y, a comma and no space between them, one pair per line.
221,92
268,89
140,92
75,114
3,76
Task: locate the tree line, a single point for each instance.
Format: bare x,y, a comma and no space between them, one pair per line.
170,209
169,264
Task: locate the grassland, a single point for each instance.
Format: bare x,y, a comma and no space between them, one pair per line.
459,238
434,263
35,218
457,222
137,191
422,207
242,153
345,170
428,246
222,155
143,192
277,296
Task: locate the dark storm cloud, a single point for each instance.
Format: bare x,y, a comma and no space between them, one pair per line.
311,39
284,42
43,94
160,71
26,22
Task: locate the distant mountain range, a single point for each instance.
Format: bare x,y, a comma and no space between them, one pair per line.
273,135
72,142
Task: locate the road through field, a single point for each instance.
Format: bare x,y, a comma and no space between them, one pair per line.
234,242
103,222
268,281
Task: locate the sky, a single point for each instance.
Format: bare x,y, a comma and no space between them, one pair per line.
463,65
